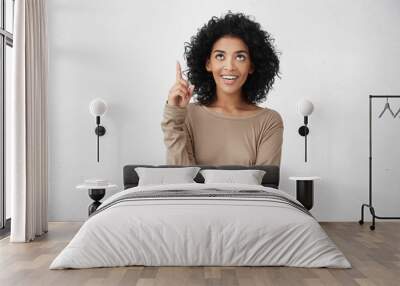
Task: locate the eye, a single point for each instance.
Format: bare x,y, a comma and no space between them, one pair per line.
219,56
241,57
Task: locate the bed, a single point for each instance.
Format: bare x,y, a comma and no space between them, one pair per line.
201,224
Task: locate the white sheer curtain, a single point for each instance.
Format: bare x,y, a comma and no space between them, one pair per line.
28,122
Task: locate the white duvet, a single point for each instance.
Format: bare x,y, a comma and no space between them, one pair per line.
200,231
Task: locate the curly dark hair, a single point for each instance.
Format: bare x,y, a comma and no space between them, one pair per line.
262,55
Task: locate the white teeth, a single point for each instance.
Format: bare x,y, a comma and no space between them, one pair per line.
229,77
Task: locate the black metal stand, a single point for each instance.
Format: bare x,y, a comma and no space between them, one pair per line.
305,193
96,195
304,131
369,205
100,131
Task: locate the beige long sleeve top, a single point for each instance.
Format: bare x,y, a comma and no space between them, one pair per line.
195,135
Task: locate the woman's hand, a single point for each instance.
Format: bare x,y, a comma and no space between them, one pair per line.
181,92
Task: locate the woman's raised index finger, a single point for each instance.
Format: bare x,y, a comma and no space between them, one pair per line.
178,71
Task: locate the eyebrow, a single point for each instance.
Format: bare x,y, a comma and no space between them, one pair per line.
220,51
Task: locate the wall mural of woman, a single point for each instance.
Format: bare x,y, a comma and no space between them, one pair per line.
232,65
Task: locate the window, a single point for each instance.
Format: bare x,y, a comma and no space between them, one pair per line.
6,44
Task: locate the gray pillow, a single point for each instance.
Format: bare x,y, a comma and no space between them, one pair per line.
248,177
164,176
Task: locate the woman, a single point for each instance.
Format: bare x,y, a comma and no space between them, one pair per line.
232,65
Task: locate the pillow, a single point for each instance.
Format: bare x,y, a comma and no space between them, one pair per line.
249,177
163,176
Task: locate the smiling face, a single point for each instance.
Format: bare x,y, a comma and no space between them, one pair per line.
230,64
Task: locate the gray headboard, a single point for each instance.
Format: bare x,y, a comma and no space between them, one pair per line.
271,177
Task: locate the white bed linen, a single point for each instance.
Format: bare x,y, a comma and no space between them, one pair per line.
225,232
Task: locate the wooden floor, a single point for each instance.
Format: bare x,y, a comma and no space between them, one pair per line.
374,255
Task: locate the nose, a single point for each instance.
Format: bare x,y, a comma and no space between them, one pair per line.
229,65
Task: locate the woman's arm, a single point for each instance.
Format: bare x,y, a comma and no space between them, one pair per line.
177,136
270,143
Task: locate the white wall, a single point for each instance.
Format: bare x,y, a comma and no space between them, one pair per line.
334,53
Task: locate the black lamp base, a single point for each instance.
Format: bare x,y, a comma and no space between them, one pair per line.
303,130
100,130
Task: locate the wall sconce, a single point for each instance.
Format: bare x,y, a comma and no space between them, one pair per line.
305,108
97,108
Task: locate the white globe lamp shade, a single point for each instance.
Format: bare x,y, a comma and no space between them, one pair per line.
305,107
97,107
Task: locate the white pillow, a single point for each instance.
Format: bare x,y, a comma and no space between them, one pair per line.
164,176
248,177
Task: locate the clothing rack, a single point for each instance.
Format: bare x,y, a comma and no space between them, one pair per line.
370,205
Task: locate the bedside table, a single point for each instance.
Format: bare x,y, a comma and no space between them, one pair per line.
305,190
96,193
